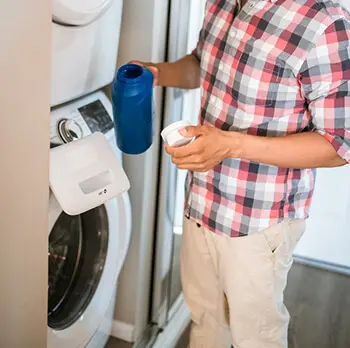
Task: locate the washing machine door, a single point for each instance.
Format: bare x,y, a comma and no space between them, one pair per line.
78,12
86,253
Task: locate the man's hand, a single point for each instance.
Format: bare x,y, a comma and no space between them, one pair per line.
210,147
151,67
184,73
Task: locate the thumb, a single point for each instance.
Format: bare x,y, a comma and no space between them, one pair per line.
155,73
192,131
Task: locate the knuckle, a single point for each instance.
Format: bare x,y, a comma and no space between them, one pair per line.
198,159
204,166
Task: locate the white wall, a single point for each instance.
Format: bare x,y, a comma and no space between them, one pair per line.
24,142
327,236
345,3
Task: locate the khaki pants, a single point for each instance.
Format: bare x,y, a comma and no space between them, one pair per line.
234,286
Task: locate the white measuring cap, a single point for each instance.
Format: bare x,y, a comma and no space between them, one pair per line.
172,136
85,174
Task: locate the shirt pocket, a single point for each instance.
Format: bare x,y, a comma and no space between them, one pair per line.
257,80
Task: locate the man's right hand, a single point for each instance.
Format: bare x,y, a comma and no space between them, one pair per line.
152,68
184,73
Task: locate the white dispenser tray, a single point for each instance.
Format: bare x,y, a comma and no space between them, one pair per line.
85,174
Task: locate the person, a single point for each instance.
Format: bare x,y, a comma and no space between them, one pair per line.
275,105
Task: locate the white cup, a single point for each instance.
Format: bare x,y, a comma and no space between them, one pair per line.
171,134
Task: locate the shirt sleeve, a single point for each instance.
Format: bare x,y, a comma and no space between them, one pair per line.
325,83
197,52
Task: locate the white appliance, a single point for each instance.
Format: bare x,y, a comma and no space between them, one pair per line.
87,251
150,299
85,36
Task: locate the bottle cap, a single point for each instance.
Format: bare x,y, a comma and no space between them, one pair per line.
172,136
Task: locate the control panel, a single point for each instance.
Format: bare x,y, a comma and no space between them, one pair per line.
81,118
96,117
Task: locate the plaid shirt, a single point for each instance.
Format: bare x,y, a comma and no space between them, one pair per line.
272,69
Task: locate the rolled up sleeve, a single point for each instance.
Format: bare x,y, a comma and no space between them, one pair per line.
197,52
325,83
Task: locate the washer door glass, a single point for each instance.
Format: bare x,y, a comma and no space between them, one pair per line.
78,12
77,254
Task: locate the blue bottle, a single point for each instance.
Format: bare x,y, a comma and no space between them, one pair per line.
133,111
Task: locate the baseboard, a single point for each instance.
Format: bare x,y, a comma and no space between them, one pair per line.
123,331
169,337
328,266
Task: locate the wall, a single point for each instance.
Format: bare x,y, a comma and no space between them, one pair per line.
143,35
327,235
345,3
24,142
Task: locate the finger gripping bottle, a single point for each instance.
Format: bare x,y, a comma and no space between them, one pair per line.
133,109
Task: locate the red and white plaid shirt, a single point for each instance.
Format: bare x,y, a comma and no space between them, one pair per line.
274,69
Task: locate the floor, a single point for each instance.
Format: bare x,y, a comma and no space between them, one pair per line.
319,304
115,343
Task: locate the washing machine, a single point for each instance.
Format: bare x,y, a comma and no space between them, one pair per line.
86,252
85,38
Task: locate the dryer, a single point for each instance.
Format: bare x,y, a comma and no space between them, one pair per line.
85,38
86,252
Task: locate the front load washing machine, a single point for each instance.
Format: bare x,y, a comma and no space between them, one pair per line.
85,38
86,252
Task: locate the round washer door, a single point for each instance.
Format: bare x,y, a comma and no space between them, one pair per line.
86,253
78,12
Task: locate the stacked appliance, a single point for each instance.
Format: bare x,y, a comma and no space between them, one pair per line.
86,251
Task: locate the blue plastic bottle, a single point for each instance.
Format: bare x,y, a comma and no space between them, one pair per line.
132,100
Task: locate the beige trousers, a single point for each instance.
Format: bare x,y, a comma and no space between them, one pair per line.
234,286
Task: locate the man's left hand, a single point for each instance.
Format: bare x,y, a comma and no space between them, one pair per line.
210,147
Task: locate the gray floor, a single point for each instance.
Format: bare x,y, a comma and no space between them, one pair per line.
319,304
115,343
